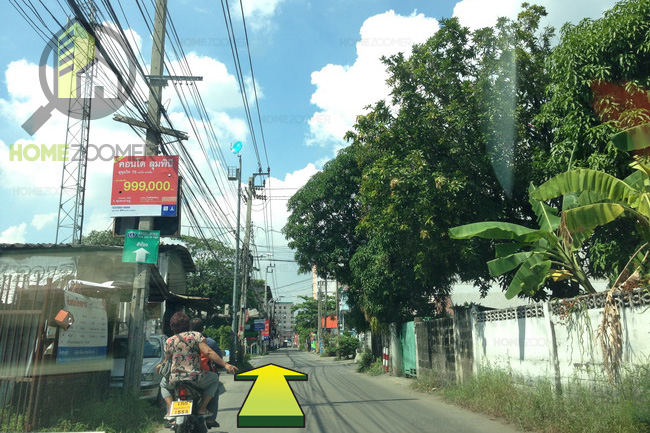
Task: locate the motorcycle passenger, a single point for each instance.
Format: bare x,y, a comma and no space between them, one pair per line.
184,349
196,324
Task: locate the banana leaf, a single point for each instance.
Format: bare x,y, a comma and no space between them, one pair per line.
591,216
531,275
496,230
637,180
643,168
506,264
643,205
577,181
633,139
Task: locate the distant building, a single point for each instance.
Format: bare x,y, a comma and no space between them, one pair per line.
321,284
284,321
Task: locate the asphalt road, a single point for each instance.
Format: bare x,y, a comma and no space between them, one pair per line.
337,399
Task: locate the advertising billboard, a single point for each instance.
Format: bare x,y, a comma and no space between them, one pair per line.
145,186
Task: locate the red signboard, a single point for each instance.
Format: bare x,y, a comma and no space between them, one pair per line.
145,186
267,326
330,323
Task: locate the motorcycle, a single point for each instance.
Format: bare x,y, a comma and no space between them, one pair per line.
185,408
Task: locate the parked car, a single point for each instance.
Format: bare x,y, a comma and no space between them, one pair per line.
153,355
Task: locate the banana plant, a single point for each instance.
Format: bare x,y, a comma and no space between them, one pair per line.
536,254
605,197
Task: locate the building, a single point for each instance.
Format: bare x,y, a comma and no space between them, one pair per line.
325,286
61,306
285,323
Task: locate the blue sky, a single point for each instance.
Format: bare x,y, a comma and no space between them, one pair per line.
316,66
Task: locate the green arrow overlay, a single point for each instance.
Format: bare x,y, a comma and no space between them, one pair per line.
271,401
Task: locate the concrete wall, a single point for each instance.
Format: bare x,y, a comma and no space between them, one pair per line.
514,338
559,340
444,346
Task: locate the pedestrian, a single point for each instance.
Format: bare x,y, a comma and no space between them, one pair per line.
196,324
184,349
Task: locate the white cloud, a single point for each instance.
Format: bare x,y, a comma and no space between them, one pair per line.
476,14
14,234
219,89
342,91
41,220
482,13
258,13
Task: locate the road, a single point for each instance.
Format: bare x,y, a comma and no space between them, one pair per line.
338,399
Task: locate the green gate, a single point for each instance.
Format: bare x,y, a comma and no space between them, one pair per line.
407,340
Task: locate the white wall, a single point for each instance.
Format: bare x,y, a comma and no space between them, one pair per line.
522,339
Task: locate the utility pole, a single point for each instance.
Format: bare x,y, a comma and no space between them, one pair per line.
338,318
338,309
320,317
140,295
325,311
235,304
245,270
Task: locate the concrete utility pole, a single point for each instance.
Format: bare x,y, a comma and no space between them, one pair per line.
325,310
338,309
235,303
320,317
245,270
140,296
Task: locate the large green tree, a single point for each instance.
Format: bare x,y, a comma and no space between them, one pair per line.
454,146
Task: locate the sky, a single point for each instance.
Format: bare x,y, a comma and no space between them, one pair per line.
316,66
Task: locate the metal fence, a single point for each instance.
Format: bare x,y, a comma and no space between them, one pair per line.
23,310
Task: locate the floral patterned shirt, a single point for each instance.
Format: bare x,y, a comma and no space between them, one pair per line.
183,349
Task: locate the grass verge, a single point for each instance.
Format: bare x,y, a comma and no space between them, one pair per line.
118,413
580,408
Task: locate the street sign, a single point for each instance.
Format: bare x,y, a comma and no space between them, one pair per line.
141,246
259,324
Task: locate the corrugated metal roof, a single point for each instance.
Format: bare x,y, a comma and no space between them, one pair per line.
182,252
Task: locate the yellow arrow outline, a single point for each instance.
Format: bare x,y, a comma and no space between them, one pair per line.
268,403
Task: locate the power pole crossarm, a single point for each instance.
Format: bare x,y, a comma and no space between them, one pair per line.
161,129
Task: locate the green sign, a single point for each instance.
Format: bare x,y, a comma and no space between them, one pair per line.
141,246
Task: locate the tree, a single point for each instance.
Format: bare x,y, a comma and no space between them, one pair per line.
307,312
324,214
102,237
444,154
603,198
214,269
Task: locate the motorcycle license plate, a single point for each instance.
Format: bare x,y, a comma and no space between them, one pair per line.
180,408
